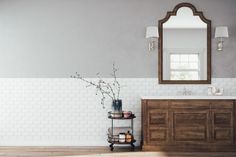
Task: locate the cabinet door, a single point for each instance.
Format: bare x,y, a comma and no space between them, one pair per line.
222,126
190,125
157,126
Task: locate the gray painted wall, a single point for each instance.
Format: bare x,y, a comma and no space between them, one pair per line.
55,38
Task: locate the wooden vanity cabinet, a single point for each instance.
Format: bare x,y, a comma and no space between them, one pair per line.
188,125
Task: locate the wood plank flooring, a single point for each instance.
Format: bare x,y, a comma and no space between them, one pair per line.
98,151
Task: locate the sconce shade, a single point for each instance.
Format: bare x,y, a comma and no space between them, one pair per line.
221,32
152,32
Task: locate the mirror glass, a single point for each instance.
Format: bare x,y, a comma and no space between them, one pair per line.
184,47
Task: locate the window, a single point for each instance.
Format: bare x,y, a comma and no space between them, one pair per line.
184,66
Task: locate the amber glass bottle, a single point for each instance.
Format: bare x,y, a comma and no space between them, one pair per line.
128,137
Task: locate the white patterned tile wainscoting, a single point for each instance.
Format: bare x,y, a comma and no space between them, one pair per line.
63,112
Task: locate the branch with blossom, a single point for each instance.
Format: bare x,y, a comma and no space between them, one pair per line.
106,89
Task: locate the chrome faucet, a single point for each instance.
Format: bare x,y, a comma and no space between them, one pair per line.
185,92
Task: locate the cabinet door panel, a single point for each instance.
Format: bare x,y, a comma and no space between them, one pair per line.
158,126
158,117
222,134
222,126
158,136
190,134
222,119
190,125
188,119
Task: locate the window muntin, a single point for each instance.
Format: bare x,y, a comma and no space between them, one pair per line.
184,66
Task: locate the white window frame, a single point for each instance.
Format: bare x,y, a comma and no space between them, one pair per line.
184,51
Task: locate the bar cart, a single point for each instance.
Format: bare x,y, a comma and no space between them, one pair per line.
119,139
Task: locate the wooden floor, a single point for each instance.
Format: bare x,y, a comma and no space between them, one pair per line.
98,151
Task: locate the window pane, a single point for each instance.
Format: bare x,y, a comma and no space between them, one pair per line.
174,58
184,58
193,65
184,66
174,65
193,58
184,61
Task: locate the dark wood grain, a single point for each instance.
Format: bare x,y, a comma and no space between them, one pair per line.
234,121
188,125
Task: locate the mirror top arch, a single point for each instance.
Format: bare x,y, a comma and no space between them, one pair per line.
184,19
188,5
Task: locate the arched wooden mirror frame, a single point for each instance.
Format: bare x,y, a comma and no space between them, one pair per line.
160,48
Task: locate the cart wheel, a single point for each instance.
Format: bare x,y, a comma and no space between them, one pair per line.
111,147
132,146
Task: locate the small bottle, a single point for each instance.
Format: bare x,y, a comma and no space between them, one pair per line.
128,137
122,137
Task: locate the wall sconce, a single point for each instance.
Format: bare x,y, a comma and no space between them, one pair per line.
152,36
220,34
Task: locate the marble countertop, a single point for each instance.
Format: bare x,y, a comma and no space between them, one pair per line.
190,97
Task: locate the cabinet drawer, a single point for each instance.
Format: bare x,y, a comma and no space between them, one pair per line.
158,136
190,134
220,104
222,118
190,104
158,117
187,119
223,135
152,104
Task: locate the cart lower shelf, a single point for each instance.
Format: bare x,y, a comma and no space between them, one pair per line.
112,143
